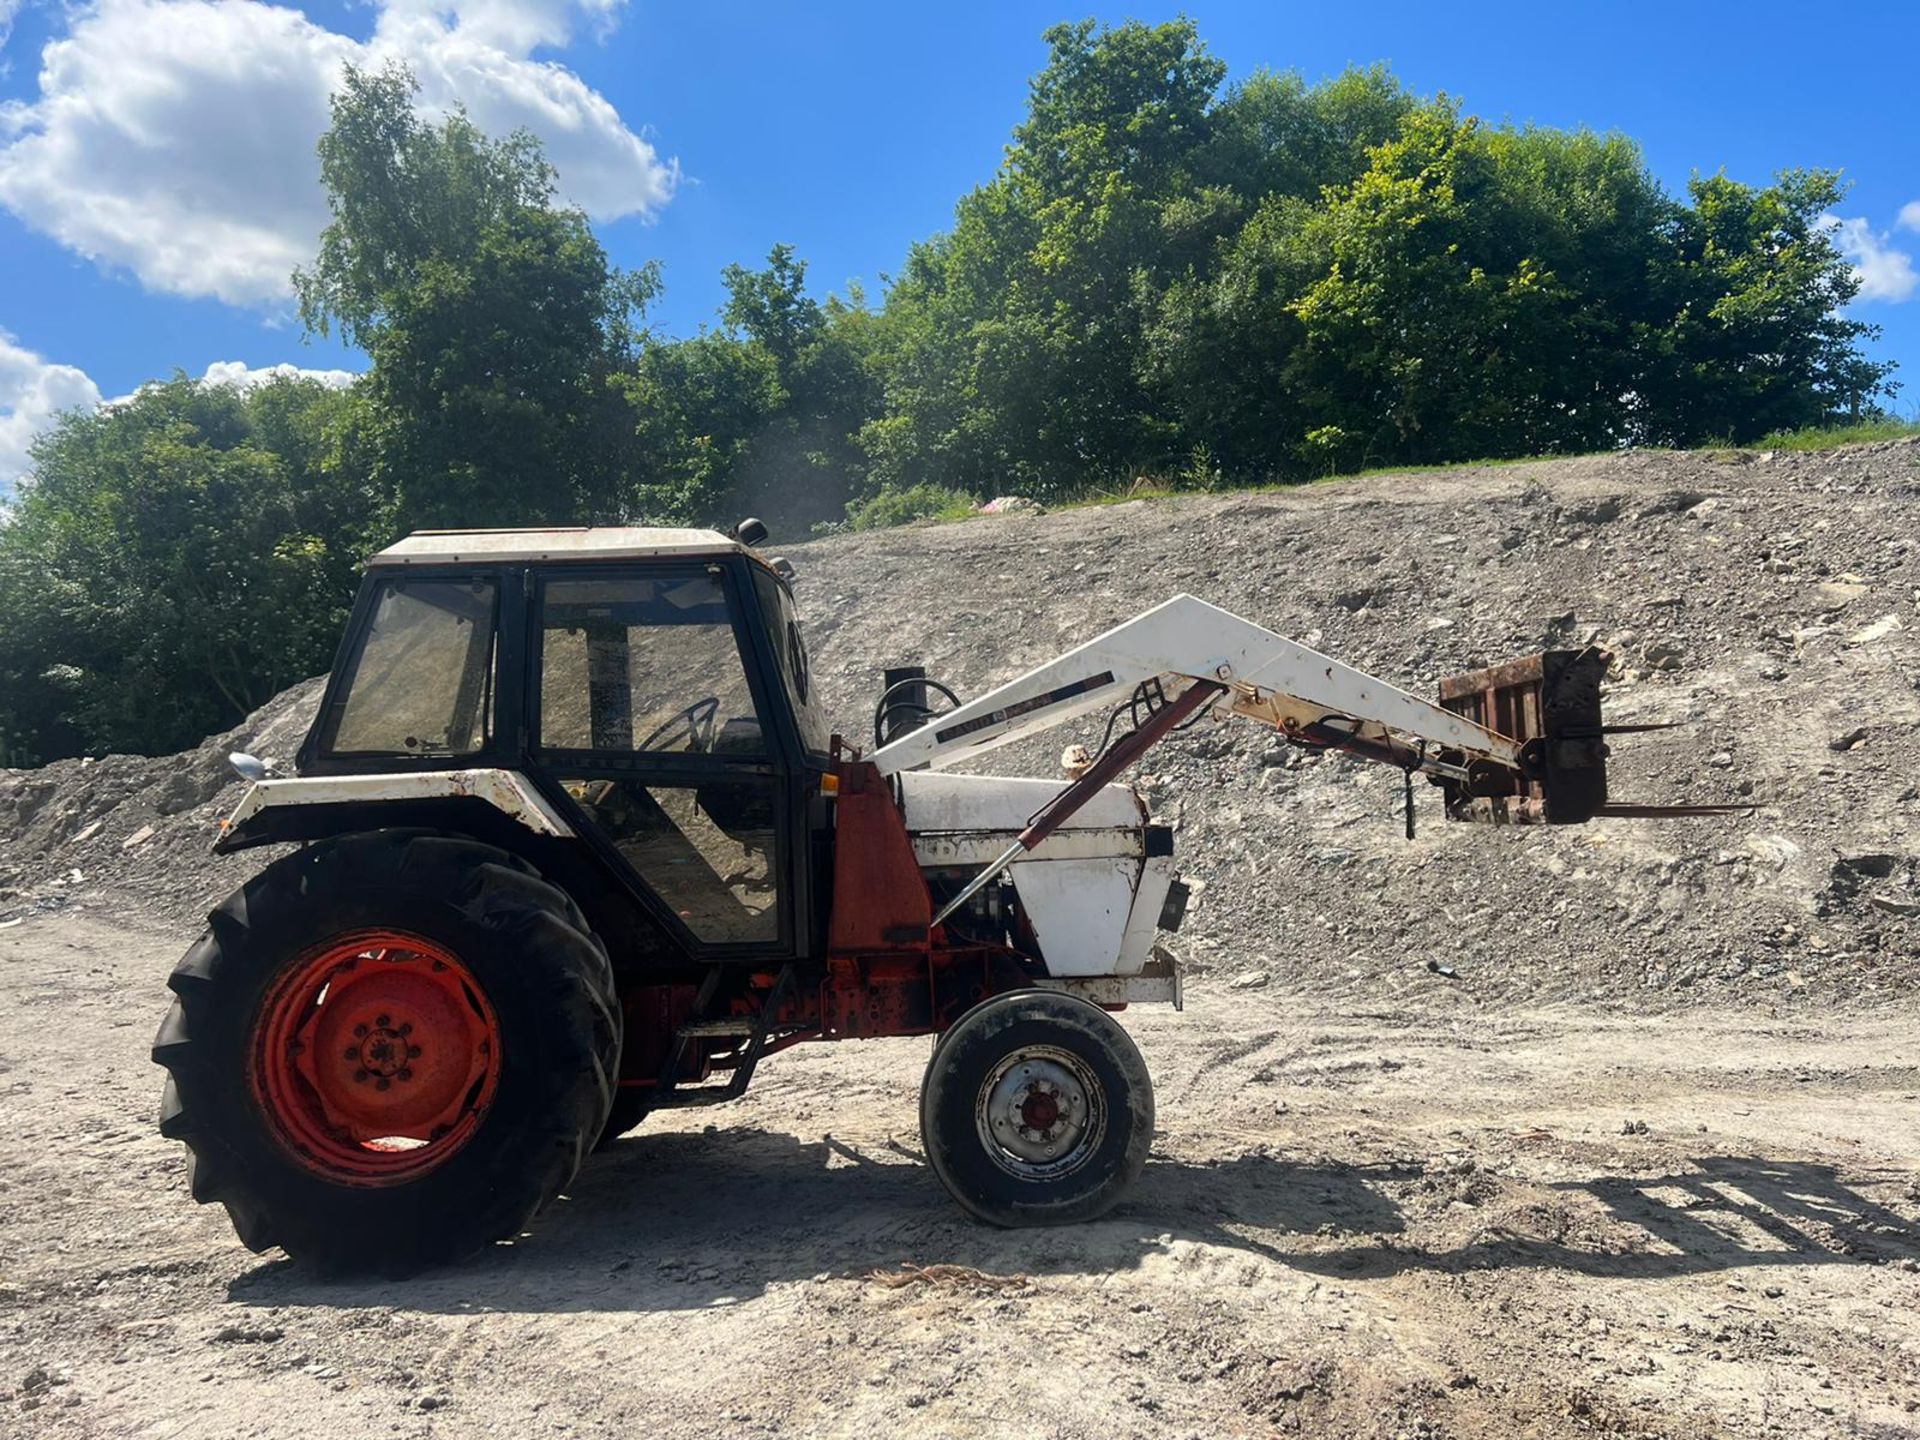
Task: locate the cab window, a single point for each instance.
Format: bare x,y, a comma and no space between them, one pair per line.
709,852
647,666
790,651
421,682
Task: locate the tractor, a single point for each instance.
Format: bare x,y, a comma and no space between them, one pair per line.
570,841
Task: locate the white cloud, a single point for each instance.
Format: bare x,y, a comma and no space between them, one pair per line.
604,168
243,376
33,391
1909,218
175,138
515,26
1884,272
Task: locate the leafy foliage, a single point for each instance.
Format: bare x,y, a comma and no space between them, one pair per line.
498,330
1298,280
760,418
1826,437
888,507
178,560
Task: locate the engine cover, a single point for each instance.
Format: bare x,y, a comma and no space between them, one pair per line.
1092,891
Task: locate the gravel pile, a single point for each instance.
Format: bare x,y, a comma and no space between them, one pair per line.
1770,601
135,832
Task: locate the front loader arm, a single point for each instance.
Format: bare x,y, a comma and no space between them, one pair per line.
1185,658
1310,698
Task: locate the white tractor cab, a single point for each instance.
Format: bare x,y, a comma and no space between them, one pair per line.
575,843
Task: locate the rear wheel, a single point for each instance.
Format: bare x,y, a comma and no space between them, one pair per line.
631,1105
1036,1110
389,1050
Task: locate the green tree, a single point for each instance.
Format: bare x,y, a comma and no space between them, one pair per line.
1013,344
759,418
1273,134
498,330
1279,280
175,561
1749,333
1474,293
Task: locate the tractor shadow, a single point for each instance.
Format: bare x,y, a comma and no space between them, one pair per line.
684,1221
1719,1212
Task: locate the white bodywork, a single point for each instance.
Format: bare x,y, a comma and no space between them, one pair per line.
1093,895
506,790
1089,889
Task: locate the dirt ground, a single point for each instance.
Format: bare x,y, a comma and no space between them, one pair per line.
1426,1217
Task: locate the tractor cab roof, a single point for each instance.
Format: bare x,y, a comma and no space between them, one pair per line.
582,543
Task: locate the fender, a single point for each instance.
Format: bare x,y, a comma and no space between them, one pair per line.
275,811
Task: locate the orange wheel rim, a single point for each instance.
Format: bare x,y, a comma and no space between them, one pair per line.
376,1056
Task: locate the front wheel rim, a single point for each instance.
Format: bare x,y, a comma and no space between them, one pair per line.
376,1057
1041,1113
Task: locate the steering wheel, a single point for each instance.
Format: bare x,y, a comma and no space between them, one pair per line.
699,719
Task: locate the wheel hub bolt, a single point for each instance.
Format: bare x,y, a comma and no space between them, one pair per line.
360,1077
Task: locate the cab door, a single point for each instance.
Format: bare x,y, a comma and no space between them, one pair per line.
654,720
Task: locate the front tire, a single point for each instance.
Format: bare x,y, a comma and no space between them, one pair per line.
1036,1110
388,1051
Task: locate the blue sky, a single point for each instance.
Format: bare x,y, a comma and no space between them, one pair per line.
156,167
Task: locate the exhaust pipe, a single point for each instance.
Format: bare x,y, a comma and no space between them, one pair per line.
905,703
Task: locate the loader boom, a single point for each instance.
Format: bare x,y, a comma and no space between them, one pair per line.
1186,658
1310,698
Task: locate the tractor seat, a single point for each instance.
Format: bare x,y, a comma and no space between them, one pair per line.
740,735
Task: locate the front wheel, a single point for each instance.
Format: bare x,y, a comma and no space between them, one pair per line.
1036,1110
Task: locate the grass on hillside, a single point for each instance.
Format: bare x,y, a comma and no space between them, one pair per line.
1826,437
1820,437
944,507
1149,491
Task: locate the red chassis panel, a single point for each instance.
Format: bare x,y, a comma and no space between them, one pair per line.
887,972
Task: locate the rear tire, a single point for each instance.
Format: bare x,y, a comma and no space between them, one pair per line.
1036,1110
514,1002
631,1106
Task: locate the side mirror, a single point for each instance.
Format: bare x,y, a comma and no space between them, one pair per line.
248,767
782,567
750,531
